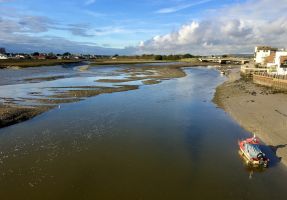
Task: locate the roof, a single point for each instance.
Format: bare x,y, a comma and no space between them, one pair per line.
266,48
283,59
271,58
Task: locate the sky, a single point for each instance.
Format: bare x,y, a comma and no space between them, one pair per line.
142,26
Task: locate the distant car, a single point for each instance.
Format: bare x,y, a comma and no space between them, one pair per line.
250,150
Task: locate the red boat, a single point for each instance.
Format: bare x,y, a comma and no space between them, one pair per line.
250,150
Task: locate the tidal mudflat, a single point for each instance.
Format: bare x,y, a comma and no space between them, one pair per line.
25,93
161,141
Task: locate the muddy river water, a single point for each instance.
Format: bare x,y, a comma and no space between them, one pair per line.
163,141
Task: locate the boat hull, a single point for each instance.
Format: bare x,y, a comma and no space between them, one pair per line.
262,162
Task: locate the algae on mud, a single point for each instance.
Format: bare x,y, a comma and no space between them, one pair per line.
47,97
10,115
12,63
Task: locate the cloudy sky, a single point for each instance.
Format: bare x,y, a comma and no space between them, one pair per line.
142,26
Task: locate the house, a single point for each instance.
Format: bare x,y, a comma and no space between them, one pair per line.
270,63
281,62
276,62
19,56
261,53
3,57
41,57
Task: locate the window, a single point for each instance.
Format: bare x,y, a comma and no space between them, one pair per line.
284,64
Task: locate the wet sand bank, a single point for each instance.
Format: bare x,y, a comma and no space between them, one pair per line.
258,109
14,63
13,111
10,115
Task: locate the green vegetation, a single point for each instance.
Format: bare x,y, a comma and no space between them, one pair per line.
38,59
145,58
190,60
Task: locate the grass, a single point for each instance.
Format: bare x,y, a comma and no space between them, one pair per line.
50,62
127,61
191,60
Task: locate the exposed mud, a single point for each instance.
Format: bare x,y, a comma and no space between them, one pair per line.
15,110
10,115
40,79
151,82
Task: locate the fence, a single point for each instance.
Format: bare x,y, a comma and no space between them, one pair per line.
250,70
275,81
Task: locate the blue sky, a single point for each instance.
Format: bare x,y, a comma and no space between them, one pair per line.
107,25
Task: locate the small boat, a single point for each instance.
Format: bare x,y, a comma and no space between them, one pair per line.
250,150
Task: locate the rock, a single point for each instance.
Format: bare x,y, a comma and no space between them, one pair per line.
253,93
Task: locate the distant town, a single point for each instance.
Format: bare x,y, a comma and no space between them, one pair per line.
37,55
4,55
27,59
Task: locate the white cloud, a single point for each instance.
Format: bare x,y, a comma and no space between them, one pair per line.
24,33
234,29
180,7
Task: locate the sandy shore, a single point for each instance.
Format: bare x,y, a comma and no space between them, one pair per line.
258,109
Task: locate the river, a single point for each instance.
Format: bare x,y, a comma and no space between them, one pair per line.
163,141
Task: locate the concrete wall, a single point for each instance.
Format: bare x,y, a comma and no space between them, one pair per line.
249,70
274,81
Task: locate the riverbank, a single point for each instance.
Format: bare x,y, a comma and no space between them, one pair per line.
34,63
258,109
133,62
13,63
125,62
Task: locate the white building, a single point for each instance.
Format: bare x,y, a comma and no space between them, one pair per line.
277,62
261,52
2,56
281,62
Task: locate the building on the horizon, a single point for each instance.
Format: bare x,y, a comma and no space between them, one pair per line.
3,56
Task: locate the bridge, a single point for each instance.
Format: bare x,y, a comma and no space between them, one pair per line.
236,61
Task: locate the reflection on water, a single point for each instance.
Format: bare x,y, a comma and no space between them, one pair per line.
33,86
166,141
